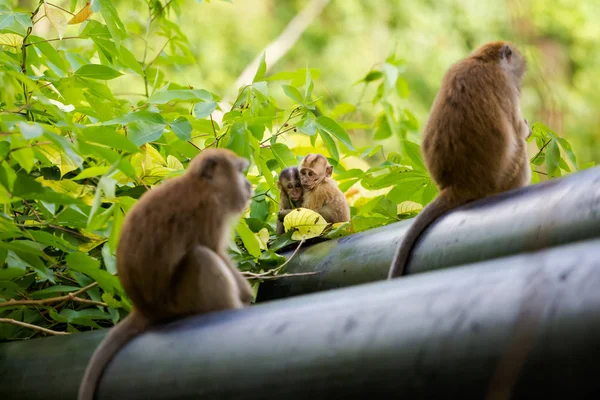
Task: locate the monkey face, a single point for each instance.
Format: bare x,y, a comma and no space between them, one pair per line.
293,189
309,178
313,169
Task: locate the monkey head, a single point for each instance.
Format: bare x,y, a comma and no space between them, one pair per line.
507,56
222,172
314,168
289,183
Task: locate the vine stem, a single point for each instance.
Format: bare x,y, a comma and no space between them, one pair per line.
30,326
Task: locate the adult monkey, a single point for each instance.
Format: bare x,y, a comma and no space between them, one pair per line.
172,254
321,193
291,194
474,143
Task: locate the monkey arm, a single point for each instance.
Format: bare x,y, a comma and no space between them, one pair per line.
282,213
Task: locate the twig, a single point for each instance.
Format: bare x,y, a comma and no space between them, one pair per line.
541,149
161,10
281,131
53,40
157,55
60,8
70,296
30,326
258,276
37,216
275,270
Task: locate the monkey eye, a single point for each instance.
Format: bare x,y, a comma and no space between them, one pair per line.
289,186
310,174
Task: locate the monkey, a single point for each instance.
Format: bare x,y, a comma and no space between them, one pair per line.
321,193
474,142
291,194
172,253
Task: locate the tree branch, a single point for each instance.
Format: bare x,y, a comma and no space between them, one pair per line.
30,326
70,296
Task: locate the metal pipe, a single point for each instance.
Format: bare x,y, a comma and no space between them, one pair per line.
526,326
548,214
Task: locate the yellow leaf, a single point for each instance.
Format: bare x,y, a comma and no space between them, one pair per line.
306,223
82,15
11,40
263,238
57,19
58,158
174,164
70,188
408,206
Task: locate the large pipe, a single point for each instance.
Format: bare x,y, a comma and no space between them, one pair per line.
526,325
548,214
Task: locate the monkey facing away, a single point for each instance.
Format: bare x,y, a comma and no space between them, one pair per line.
474,143
321,193
171,256
290,196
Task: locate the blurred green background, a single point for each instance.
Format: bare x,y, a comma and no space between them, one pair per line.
560,38
349,37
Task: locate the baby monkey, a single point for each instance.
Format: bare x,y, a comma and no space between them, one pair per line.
172,254
321,193
474,143
290,196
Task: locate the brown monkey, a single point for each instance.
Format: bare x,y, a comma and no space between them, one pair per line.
171,256
474,143
290,196
321,194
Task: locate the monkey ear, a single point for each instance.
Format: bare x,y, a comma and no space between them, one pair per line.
207,167
505,52
329,171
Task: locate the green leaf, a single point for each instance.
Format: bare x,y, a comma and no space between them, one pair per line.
568,151
552,157
140,116
85,264
330,145
182,128
203,110
293,93
25,157
31,130
111,17
130,61
412,150
284,156
91,172
143,132
108,137
262,69
330,126
307,124
184,95
382,128
96,71
250,241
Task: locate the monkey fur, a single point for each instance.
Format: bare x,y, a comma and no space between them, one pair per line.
172,254
321,193
290,196
474,143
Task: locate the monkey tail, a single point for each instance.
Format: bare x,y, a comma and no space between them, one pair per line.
439,206
117,337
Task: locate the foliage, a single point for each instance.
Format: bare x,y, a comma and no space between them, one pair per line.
75,156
